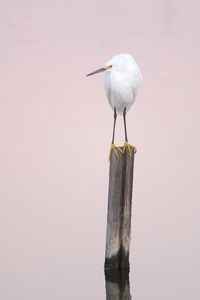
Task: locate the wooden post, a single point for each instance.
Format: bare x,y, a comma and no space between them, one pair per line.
117,285
119,210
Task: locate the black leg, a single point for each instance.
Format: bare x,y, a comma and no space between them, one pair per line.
124,115
115,117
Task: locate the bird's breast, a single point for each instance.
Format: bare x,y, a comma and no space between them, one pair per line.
119,90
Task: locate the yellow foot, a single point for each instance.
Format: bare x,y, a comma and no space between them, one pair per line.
131,149
115,149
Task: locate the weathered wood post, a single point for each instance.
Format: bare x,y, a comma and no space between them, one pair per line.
119,210
117,285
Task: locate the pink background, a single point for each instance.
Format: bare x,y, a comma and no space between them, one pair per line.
55,133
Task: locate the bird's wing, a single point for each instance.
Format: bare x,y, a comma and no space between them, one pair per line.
136,82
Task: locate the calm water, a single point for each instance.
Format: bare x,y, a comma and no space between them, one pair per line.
55,131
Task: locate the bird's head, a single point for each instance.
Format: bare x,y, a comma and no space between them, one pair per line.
118,63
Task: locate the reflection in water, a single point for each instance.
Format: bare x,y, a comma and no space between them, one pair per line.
117,285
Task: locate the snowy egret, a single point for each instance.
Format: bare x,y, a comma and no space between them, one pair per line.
122,79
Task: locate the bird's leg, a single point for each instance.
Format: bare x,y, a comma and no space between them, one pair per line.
113,147
126,144
115,118
124,116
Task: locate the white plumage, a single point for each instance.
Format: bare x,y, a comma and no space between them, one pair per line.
121,82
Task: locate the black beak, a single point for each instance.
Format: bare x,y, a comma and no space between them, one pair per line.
97,71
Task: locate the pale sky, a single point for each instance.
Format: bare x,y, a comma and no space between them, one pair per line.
55,134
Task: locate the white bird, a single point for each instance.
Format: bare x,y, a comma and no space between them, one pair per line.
122,79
